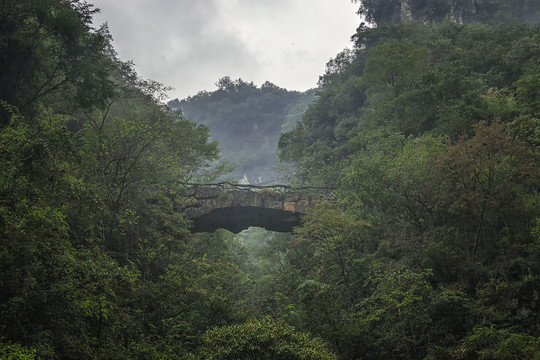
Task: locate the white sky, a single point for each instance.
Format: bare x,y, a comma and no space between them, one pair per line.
190,44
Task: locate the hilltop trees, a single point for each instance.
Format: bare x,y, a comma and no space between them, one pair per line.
247,121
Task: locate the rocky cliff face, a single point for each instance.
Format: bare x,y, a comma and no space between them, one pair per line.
405,11
459,11
463,11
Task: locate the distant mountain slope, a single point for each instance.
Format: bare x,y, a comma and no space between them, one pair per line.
247,121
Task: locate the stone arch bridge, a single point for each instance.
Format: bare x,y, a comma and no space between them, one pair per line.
236,207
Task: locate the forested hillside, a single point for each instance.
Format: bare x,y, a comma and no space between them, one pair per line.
247,122
430,133
429,247
95,262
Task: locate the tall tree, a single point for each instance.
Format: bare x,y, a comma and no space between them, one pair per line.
48,47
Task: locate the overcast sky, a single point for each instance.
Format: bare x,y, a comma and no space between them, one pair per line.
190,44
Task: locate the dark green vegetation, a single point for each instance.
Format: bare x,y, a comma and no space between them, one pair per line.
95,263
429,249
247,121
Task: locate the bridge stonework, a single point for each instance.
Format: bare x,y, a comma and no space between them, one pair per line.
236,208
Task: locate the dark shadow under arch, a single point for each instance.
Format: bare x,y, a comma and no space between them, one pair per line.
236,219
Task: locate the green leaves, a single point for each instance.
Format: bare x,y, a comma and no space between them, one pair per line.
48,50
397,314
261,340
16,352
87,224
391,66
498,344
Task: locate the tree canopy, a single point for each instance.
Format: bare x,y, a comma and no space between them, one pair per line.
429,133
427,248
247,120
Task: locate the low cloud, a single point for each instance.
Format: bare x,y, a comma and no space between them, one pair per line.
189,44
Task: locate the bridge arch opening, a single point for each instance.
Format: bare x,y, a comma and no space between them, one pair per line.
239,218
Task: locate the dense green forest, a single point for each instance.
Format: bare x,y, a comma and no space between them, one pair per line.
429,247
247,121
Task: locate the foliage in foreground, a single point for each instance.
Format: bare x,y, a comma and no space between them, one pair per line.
429,249
261,340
